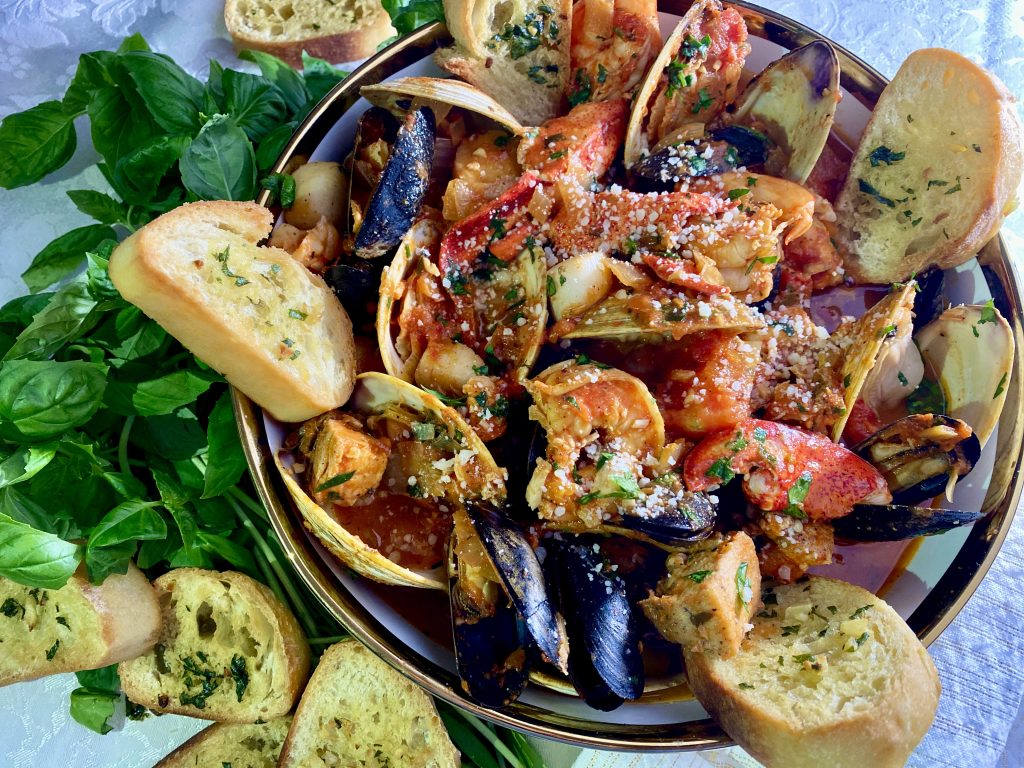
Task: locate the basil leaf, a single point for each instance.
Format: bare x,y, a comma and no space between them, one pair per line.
20,311
320,77
138,174
62,256
129,521
118,120
226,461
101,562
288,82
229,551
93,708
176,501
35,143
282,188
25,463
102,207
175,437
42,399
408,15
146,338
35,558
220,164
254,102
102,679
273,145
466,739
22,509
158,396
215,87
69,315
171,95
90,75
97,272
523,749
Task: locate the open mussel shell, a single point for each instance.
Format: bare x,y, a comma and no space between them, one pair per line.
516,563
637,142
489,634
440,94
793,100
917,454
970,348
894,522
692,519
605,662
628,319
397,350
722,150
398,196
865,340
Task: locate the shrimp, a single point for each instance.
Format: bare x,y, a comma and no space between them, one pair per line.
613,43
603,428
315,248
485,166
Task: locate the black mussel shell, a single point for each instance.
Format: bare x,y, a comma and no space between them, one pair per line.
691,520
398,197
357,286
750,147
730,148
917,473
605,662
516,563
930,299
490,655
896,522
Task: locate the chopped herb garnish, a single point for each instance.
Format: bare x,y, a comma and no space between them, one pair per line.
846,381
721,470
704,101
953,190
240,675
11,607
988,312
744,589
602,73
692,47
885,155
53,650
572,401
627,484
604,458
1001,387
552,288
859,611
927,398
760,434
581,88
889,330
557,155
296,314
698,576
792,629
937,183
676,77
497,226
738,444
454,402
736,194
867,189
796,495
751,181
335,481
746,687
902,379
584,360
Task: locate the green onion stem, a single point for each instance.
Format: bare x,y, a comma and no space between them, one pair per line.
268,575
248,501
122,446
326,640
490,736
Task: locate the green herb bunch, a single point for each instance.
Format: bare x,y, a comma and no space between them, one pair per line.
116,443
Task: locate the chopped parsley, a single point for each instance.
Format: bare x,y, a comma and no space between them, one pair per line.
988,312
902,379
744,589
692,47
927,398
557,155
954,190
296,314
676,77
860,611
1000,387
885,155
335,481
240,675
604,458
746,687
738,444
937,183
796,495
760,434
581,88
722,470
454,402
222,257
584,360
867,189
792,629
552,288
53,650
704,101
736,194
698,576
889,330
10,607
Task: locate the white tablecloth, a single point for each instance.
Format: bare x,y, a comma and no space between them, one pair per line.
980,657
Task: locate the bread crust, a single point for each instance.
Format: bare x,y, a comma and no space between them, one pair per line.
128,614
140,269
1003,161
294,651
188,753
337,48
883,735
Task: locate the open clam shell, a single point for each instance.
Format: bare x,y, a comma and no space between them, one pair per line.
468,472
399,351
440,94
793,100
865,340
971,349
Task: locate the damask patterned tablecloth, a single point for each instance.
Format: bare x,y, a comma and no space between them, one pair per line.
980,657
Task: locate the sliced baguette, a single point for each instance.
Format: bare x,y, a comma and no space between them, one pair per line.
79,626
957,128
275,330
235,745
343,30
357,710
862,694
493,52
230,651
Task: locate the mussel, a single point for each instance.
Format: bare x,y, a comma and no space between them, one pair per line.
605,662
895,522
793,100
971,350
723,149
917,455
395,459
691,517
398,196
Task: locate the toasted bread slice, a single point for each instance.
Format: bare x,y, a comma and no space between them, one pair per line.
342,30
230,651
517,53
274,329
830,675
936,171
233,744
709,596
357,710
79,626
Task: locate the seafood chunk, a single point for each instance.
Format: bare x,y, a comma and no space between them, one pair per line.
785,469
345,463
613,41
485,166
708,595
895,522
580,145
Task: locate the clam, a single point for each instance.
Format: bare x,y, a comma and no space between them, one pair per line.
971,349
919,455
866,340
397,197
440,94
395,454
659,315
895,522
605,663
793,101
399,349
